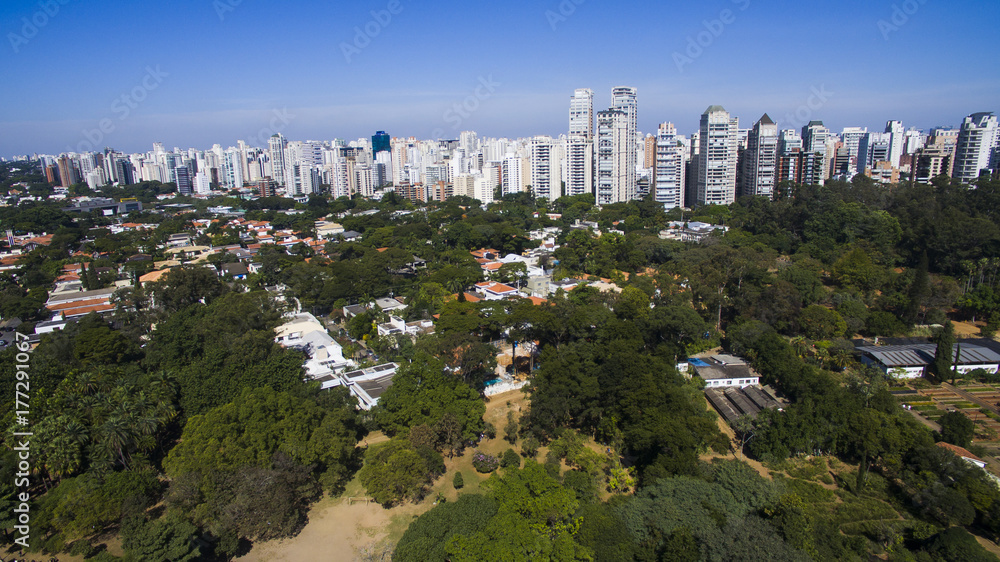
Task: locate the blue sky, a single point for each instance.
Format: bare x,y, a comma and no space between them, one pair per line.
224,70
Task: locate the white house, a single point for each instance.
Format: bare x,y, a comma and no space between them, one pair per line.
722,371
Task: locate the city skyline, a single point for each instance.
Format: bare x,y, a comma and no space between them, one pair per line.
346,72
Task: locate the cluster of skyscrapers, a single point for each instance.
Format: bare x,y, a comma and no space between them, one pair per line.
603,154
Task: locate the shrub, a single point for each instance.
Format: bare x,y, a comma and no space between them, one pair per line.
459,481
510,458
484,463
529,448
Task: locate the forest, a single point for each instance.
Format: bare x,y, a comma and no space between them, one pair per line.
179,428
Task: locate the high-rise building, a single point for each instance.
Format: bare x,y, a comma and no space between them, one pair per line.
182,177
760,159
815,140
276,145
977,139
897,141
852,137
513,175
203,184
625,99
67,172
612,157
669,167
718,136
579,165
381,142
581,114
874,148
546,179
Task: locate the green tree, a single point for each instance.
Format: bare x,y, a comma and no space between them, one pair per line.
262,422
957,429
168,539
821,323
394,472
422,394
945,350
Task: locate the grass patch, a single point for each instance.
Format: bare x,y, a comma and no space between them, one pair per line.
925,408
810,470
810,492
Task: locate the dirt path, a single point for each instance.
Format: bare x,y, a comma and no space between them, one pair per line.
934,426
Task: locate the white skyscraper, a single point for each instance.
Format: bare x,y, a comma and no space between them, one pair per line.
670,165
546,179
977,140
760,159
852,137
625,99
579,165
717,157
581,114
232,169
276,146
612,157
202,183
513,175
897,141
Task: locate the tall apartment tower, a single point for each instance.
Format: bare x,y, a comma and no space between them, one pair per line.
612,158
977,139
718,138
852,137
579,165
581,113
897,141
546,178
276,146
760,159
669,168
625,99
815,138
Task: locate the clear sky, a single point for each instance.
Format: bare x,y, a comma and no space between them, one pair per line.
198,72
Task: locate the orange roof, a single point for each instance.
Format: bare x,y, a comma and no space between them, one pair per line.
482,253
68,277
77,304
153,276
501,288
958,451
381,249
492,266
87,310
40,240
537,300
